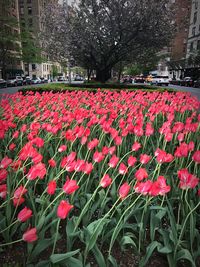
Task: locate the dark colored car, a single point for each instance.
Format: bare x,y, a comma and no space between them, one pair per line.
197,83
3,83
127,79
187,81
26,80
139,79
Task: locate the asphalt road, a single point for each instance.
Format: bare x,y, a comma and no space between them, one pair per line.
193,91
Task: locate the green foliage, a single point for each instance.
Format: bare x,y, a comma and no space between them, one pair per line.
30,47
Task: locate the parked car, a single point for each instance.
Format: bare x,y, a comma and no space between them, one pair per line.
15,81
27,80
3,83
36,81
197,83
79,78
127,79
160,80
44,80
139,79
187,81
61,78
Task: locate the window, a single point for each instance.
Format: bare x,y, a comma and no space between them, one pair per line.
29,10
196,4
193,31
33,67
191,47
198,45
30,22
21,10
195,17
29,1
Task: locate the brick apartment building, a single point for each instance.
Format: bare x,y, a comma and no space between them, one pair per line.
193,44
11,64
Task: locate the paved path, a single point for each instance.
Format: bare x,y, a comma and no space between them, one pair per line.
193,91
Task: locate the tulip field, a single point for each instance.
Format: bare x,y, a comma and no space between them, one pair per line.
84,173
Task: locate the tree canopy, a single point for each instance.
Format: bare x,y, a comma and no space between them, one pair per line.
98,34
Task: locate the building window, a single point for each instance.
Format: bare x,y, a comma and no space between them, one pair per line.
29,10
191,47
30,23
198,45
195,17
29,1
33,67
21,10
193,31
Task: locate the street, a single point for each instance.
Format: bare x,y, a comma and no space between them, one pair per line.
193,91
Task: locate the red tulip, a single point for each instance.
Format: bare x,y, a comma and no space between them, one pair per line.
12,146
196,156
113,161
18,201
63,209
5,162
141,174
136,146
39,142
98,156
105,181
88,168
3,175
70,186
52,163
187,180
51,187
159,187
143,187
37,171
24,214
79,166
131,161
30,235
62,148
20,191
3,191
124,190
144,158
123,168
92,144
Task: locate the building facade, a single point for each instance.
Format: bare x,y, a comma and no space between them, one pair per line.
30,13
193,43
10,51
177,63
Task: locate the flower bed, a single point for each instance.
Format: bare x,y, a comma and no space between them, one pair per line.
89,172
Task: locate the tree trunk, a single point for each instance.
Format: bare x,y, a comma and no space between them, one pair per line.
3,72
103,75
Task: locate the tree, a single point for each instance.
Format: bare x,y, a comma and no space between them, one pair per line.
98,34
31,51
10,49
55,31
105,32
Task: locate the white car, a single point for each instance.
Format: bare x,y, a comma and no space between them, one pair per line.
36,81
160,80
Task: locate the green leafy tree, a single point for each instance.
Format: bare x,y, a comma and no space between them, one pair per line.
31,52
